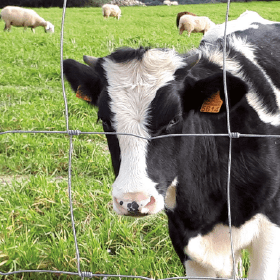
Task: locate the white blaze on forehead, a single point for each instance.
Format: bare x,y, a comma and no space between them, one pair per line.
132,86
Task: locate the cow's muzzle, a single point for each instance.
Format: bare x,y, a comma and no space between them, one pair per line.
134,204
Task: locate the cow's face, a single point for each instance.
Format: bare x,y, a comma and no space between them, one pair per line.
136,93
147,93
140,98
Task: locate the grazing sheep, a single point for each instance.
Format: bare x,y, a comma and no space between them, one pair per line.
194,24
174,3
179,15
166,2
17,16
110,10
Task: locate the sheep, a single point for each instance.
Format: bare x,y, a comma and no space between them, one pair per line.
110,10
17,16
181,14
194,24
170,3
166,2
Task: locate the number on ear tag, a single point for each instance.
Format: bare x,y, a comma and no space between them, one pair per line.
213,104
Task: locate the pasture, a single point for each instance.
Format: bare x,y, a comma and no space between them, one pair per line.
35,224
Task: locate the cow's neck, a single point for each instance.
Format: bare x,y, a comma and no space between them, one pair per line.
201,174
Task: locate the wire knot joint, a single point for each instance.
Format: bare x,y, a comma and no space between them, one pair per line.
234,135
74,132
86,274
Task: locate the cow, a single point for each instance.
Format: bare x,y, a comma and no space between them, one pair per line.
155,93
245,21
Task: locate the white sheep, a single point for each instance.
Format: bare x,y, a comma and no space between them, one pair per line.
194,24
166,2
174,3
17,16
110,10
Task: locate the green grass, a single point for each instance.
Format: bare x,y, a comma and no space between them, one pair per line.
35,224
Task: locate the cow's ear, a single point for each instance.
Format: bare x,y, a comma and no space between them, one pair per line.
83,79
207,95
190,61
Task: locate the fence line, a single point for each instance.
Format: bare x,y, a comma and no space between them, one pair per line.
231,135
230,142
78,132
87,274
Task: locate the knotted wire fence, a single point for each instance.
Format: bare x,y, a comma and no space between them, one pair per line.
71,133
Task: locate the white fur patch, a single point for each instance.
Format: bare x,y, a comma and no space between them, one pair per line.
216,56
244,22
132,86
274,119
212,252
232,66
170,197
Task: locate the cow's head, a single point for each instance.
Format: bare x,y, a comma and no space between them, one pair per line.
137,92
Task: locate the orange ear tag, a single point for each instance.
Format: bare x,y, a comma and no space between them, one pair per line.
79,94
213,104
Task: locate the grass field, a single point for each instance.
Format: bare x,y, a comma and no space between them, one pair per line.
35,224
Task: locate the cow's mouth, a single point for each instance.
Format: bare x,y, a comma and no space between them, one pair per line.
137,215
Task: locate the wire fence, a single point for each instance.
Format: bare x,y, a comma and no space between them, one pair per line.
71,133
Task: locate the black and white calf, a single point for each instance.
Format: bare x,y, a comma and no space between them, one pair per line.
152,92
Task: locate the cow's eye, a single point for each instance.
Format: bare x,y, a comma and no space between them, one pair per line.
172,123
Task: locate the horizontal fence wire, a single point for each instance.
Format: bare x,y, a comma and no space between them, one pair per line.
71,133
78,132
91,275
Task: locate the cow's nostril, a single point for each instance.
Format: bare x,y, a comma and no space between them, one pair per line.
134,204
132,207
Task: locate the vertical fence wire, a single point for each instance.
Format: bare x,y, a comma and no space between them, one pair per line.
70,139
230,141
224,70
71,202
61,63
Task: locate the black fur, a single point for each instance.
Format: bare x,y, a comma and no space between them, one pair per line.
84,77
123,55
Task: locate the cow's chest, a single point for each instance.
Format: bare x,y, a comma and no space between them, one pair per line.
213,250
